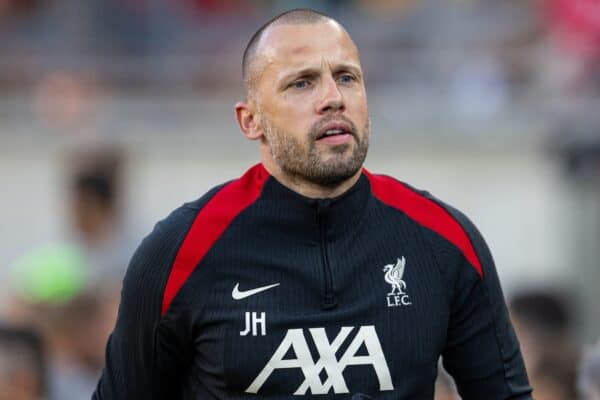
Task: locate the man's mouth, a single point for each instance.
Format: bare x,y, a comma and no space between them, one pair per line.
331,130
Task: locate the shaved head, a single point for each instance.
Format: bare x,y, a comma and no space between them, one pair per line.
306,102
291,17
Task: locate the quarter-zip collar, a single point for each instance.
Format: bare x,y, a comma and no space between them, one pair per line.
319,222
342,213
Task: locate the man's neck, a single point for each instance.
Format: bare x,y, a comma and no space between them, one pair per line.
310,189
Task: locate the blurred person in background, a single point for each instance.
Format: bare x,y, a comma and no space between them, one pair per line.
574,29
22,365
95,211
544,322
68,291
589,374
15,8
202,314
76,331
553,380
52,294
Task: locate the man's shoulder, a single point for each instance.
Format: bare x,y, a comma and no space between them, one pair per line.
218,205
197,204
187,211
402,195
429,212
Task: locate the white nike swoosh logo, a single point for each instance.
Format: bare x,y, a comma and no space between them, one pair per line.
237,294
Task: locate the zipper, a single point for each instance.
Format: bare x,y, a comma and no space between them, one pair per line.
329,300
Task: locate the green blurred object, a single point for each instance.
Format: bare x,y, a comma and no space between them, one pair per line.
51,274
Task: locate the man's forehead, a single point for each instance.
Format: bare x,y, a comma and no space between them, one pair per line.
293,45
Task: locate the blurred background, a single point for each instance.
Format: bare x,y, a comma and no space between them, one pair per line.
114,112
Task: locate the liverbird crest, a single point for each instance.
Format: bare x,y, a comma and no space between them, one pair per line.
393,276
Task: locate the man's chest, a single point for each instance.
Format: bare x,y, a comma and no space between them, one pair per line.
292,321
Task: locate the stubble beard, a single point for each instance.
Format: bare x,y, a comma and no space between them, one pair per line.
302,162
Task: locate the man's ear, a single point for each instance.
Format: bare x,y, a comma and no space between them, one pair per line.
245,116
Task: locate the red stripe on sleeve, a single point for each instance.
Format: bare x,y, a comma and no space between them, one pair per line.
209,225
425,212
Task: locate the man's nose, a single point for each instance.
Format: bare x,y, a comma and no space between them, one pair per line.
332,99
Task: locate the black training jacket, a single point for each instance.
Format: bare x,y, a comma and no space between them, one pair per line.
254,291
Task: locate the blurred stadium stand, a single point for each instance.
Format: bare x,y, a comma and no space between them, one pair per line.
471,92
491,105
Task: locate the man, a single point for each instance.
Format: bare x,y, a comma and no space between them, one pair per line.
309,276
22,365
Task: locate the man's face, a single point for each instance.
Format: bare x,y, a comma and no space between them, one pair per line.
311,102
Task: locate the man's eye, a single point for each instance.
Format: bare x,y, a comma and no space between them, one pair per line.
300,84
346,78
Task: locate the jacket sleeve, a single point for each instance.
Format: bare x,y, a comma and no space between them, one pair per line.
145,355
482,351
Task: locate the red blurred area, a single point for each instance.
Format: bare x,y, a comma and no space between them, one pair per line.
575,25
